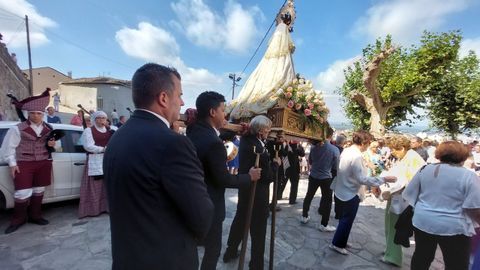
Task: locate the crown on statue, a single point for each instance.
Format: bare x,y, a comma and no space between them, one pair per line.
287,15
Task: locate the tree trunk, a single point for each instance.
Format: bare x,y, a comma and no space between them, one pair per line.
377,120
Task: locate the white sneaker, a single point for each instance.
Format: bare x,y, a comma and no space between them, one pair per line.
339,250
327,228
304,220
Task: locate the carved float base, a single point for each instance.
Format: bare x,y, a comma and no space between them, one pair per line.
284,119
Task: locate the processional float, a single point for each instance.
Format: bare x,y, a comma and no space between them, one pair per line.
289,100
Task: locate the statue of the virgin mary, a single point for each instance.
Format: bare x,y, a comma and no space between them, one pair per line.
274,71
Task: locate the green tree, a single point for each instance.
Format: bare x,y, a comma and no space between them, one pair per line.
389,82
454,98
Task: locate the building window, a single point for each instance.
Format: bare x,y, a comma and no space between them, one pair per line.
99,103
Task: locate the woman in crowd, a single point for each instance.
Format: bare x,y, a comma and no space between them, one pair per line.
373,159
93,198
446,201
259,130
351,175
407,165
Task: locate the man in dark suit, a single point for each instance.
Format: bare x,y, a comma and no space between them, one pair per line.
212,154
292,171
159,204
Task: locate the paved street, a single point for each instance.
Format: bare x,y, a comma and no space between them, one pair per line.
70,243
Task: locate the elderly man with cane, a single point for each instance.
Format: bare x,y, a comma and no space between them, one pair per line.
252,147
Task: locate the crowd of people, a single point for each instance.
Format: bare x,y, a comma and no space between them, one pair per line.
167,197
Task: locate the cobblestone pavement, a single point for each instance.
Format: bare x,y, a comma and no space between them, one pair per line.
70,243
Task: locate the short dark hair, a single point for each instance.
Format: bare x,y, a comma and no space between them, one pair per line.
206,101
149,81
361,137
452,152
329,132
417,139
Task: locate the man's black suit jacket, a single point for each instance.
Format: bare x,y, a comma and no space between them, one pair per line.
159,205
297,151
212,154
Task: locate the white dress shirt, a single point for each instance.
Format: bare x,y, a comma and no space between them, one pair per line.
11,142
351,175
157,115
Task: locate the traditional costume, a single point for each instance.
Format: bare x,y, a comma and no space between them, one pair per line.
93,197
25,146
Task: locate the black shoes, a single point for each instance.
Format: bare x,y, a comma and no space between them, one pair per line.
229,255
13,228
40,221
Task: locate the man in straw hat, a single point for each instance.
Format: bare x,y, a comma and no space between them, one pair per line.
25,150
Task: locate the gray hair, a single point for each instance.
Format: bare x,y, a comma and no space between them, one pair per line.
340,140
259,123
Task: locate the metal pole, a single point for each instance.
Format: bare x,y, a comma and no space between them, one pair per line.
233,86
30,82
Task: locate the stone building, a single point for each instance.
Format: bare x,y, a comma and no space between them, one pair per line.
99,93
12,80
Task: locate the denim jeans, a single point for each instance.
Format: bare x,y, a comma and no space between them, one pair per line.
348,213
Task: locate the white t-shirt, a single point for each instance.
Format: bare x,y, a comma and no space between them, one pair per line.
476,158
439,202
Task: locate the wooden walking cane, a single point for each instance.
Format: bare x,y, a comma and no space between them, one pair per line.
243,251
276,148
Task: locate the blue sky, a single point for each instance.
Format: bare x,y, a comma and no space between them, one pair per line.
206,40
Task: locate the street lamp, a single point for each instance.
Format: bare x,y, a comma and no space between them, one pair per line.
234,79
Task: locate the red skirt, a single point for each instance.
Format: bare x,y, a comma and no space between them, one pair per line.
93,196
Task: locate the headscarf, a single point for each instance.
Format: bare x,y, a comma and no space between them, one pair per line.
94,116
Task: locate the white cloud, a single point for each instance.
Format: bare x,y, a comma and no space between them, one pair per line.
328,81
332,78
234,30
470,45
149,43
13,28
155,44
405,20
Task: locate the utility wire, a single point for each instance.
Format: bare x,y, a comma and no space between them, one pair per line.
73,43
261,42
17,30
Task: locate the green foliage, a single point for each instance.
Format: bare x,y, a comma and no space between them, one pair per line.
455,97
429,75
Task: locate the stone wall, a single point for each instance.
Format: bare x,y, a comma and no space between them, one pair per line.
12,81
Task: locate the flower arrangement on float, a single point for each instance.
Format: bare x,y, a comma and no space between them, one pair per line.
301,98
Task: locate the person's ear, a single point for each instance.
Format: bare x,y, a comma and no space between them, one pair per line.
162,99
212,113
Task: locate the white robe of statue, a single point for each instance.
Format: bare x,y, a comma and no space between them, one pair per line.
274,71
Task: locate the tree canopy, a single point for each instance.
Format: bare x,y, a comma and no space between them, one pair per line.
389,82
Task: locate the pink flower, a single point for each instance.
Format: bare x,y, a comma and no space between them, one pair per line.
290,104
307,112
311,106
288,95
298,106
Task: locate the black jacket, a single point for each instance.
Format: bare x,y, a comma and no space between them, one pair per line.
297,151
212,154
159,205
